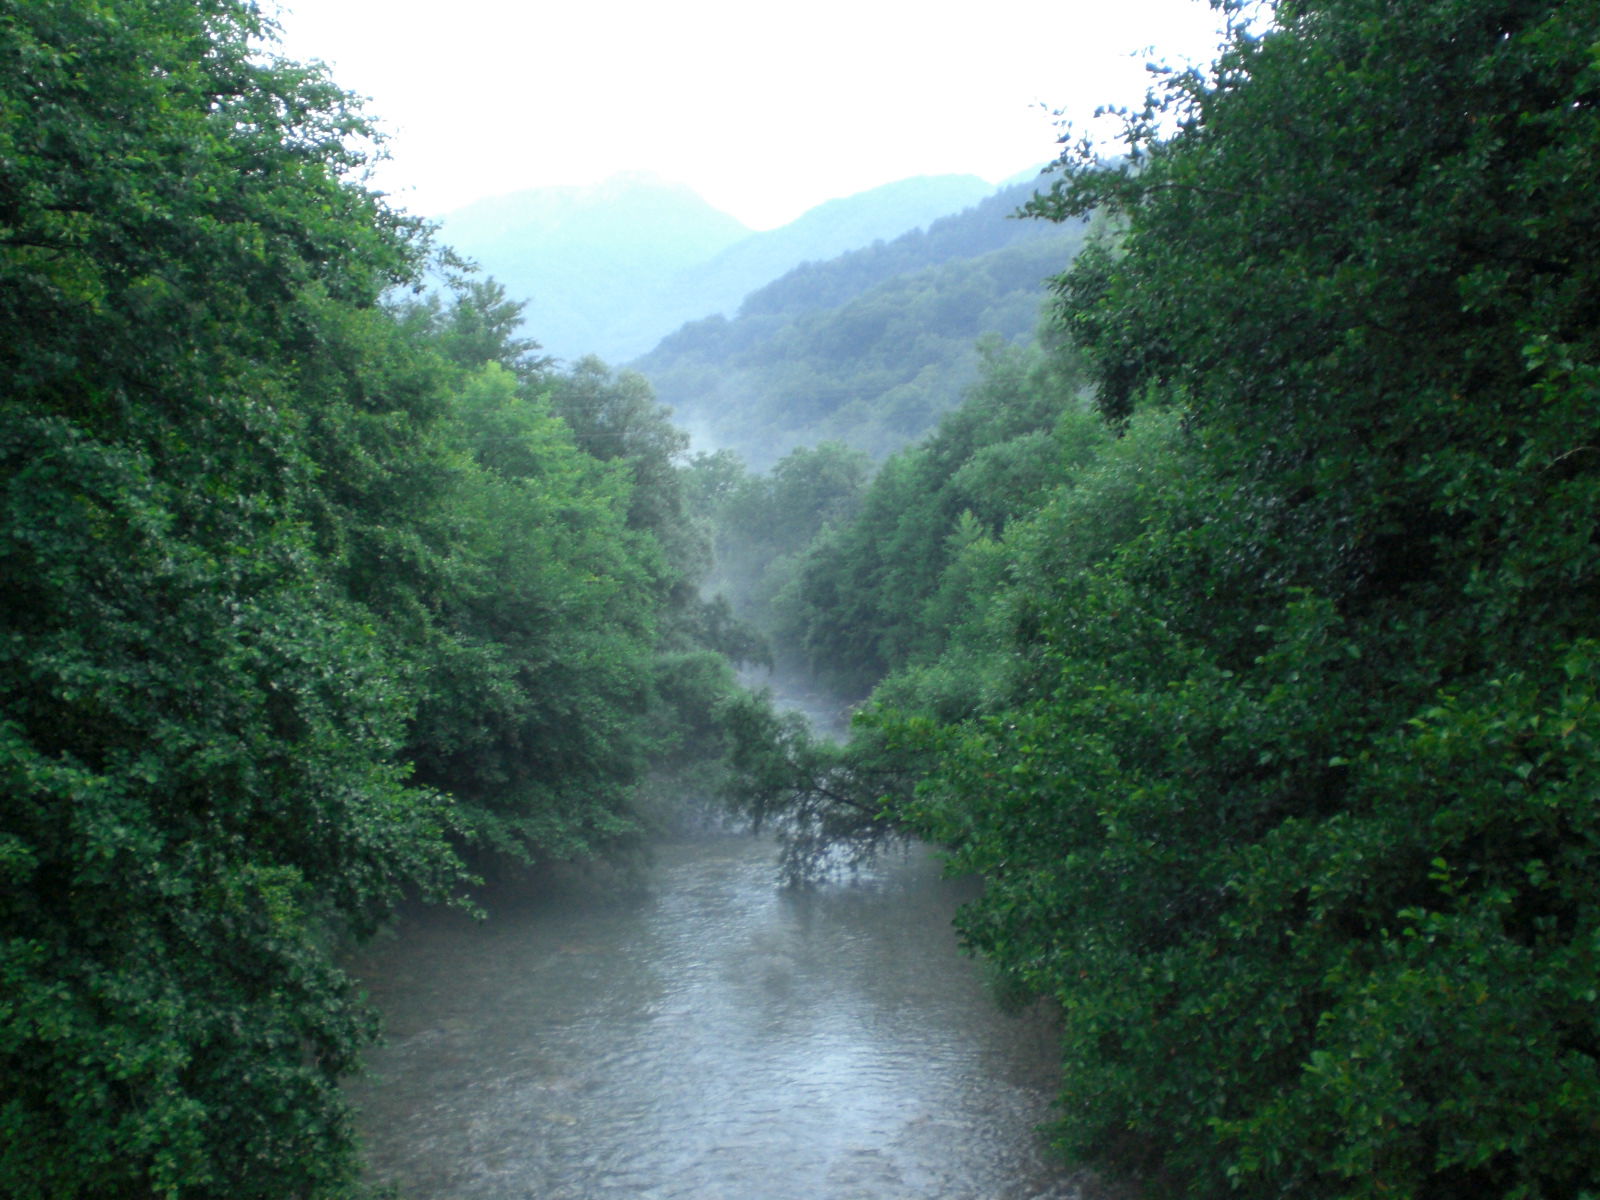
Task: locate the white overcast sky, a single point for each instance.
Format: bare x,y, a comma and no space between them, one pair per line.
764,110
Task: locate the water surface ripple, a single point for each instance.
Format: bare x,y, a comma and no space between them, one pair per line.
717,1038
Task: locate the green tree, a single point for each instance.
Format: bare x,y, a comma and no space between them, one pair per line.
760,524
1270,725
303,592
539,657
480,325
1294,827
200,729
856,606
614,416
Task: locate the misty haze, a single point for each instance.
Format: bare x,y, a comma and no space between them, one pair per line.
662,610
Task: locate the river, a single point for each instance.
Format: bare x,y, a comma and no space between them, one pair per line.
710,1036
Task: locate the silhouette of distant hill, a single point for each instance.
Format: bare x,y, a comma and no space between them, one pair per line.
612,268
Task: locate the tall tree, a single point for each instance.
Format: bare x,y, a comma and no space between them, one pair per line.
1300,832
199,734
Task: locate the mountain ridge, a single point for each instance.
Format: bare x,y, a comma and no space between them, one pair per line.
611,268
869,348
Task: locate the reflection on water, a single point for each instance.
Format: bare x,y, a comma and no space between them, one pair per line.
715,1038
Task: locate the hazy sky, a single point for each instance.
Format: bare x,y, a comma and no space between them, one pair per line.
765,110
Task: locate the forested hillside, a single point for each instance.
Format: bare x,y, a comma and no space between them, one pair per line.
610,269
832,228
1245,643
868,348
317,594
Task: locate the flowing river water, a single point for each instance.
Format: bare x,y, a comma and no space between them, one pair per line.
711,1036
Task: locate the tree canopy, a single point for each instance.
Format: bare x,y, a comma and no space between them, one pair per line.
1271,723
1243,637
313,589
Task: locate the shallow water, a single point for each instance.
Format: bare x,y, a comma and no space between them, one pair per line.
716,1037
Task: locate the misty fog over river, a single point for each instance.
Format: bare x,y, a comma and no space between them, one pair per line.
714,1036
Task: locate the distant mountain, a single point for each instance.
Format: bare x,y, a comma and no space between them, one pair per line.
985,227
869,348
611,269
822,233
586,258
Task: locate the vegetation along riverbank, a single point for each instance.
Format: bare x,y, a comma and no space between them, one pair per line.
1240,629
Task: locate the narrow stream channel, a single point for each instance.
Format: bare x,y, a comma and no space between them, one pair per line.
715,1038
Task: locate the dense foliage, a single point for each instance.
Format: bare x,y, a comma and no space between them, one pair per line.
1272,725
305,597
1244,641
760,523
1342,852
870,595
